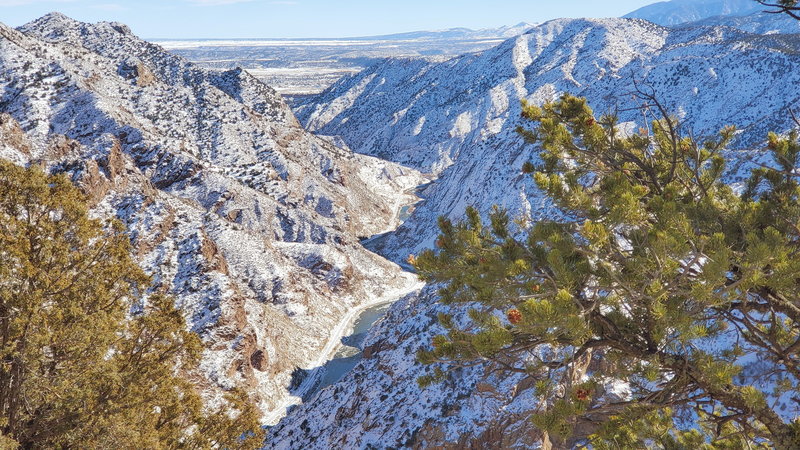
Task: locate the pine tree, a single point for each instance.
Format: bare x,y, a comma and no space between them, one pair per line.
660,275
87,359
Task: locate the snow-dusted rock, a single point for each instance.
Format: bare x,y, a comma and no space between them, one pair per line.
380,405
250,221
758,23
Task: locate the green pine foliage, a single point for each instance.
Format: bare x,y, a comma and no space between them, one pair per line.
661,276
86,361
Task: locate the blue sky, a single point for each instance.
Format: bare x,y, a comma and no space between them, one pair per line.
308,18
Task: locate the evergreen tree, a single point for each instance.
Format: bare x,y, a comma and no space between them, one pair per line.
87,360
660,276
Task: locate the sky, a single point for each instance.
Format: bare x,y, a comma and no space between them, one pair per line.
185,19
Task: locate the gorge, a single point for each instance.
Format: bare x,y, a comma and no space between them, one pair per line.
283,231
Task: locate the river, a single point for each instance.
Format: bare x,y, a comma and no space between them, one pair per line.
350,353
307,382
341,354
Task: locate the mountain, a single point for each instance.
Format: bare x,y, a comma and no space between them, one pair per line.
758,23
676,12
457,120
745,15
454,34
252,223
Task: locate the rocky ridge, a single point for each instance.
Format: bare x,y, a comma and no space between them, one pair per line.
457,119
250,221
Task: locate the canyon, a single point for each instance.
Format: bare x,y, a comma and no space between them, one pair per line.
282,227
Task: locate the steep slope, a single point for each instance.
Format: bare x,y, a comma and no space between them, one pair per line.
251,222
676,12
745,15
457,120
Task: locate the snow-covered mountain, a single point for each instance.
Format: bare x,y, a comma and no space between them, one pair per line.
745,15
456,119
676,12
250,221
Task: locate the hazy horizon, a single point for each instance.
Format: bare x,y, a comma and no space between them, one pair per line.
306,19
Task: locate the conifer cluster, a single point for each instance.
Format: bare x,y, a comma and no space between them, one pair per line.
87,358
659,276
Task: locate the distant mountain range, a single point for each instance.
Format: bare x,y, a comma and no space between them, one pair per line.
456,33
676,12
307,66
